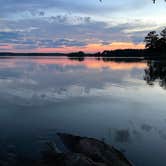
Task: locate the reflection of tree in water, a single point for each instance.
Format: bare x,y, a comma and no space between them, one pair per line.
80,59
156,71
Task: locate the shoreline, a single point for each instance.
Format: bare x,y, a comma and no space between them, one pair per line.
142,54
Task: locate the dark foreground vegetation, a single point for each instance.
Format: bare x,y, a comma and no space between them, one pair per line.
76,151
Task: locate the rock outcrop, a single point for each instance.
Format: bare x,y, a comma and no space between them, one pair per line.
83,151
74,151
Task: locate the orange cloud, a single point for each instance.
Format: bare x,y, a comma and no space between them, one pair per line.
6,47
90,48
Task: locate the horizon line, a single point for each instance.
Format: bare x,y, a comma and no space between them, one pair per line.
70,52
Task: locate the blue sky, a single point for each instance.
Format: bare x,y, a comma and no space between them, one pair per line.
70,25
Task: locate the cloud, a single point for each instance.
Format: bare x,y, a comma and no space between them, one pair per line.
69,19
64,31
93,6
7,36
60,23
60,43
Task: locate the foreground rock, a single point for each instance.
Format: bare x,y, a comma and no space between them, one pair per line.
82,151
74,151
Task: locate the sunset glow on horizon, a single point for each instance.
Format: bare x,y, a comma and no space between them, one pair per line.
92,48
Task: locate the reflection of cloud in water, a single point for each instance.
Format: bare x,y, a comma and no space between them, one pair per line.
94,95
52,79
48,95
122,136
146,127
162,134
135,133
41,80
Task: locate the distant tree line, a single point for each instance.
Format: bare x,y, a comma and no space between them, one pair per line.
155,41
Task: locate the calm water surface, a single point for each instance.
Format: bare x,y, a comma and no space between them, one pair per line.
123,103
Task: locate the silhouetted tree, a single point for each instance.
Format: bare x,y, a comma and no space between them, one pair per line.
163,39
151,40
155,42
161,45
163,34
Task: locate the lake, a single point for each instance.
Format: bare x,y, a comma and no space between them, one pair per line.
119,101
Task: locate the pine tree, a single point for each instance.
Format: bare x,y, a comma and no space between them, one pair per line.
151,40
163,34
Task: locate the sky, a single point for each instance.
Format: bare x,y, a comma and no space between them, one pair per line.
77,25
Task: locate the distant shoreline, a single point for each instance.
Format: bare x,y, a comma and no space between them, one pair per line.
126,53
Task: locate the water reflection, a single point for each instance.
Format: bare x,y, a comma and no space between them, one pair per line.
156,71
43,78
146,127
91,97
123,136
